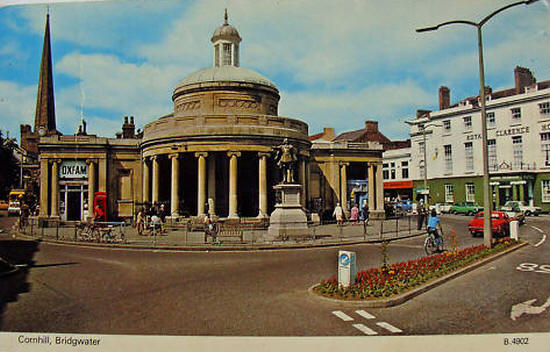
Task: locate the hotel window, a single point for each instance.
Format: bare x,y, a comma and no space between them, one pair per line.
448,159
421,168
469,154
449,194
517,147
404,169
546,191
467,123
227,54
447,125
421,149
393,174
470,192
385,172
516,114
491,122
492,154
544,108
545,146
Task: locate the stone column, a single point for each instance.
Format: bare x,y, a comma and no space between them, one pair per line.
102,175
262,182
371,185
156,178
497,197
303,180
344,186
379,188
201,187
212,184
44,187
55,188
514,192
146,181
91,186
175,189
233,201
521,193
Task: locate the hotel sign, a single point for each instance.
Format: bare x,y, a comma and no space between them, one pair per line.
513,131
73,169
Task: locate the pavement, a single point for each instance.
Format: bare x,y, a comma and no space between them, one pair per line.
178,237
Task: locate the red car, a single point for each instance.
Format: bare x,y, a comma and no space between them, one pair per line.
500,222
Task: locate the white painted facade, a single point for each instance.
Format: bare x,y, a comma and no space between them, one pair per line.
396,165
518,134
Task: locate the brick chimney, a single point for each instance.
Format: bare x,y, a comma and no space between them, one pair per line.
444,98
371,126
328,133
523,78
128,128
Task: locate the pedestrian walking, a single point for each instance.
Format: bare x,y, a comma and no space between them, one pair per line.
140,219
338,214
421,215
354,214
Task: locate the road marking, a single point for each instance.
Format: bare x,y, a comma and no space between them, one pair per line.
364,329
528,308
365,314
541,241
536,228
342,315
388,326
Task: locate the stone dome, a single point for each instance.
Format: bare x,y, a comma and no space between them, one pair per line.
225,73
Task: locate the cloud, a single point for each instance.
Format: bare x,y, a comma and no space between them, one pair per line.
119,88
17,106
390,104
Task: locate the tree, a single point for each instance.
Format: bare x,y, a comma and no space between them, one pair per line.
9,173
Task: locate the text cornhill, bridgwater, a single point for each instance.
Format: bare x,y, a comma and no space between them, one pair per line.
58,340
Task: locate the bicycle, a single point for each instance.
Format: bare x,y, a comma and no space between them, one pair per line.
212,229
89,232
430,246
108,235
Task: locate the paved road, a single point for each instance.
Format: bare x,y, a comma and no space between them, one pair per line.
264,293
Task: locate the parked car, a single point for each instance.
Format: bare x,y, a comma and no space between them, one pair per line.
514,212
441,208
3,205
524,207
499,220
404,204
465,208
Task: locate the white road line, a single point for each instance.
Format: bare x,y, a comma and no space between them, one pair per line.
364,329
541,241
342,315
388,326
536,228
365,314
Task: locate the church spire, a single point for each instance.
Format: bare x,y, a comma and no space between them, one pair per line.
44,120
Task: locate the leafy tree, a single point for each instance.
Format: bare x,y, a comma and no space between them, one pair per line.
9,169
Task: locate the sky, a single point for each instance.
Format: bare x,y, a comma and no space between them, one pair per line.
335,63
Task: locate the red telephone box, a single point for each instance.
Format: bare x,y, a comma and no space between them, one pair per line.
100,205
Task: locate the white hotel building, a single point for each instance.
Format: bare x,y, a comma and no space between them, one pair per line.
518,133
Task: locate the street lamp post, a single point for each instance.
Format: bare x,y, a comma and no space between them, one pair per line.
487,228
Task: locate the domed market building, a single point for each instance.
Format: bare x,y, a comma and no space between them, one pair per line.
215,153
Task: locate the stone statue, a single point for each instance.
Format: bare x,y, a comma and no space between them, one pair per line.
286,157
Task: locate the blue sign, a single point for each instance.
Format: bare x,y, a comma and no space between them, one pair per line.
344,259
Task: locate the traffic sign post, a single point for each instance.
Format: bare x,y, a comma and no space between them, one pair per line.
347,269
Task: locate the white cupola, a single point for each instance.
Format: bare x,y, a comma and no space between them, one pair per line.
226,41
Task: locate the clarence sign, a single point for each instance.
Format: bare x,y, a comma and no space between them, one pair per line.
73,169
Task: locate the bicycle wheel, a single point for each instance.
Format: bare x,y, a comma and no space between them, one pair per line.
429,246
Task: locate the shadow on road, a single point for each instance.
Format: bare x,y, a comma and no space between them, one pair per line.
18,253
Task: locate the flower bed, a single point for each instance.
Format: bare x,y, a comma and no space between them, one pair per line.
398,278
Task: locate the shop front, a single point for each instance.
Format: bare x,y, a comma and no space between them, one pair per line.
516,188
73,190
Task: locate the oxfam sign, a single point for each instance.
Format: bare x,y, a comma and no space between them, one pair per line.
73,169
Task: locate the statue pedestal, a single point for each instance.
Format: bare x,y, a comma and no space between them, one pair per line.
288,220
